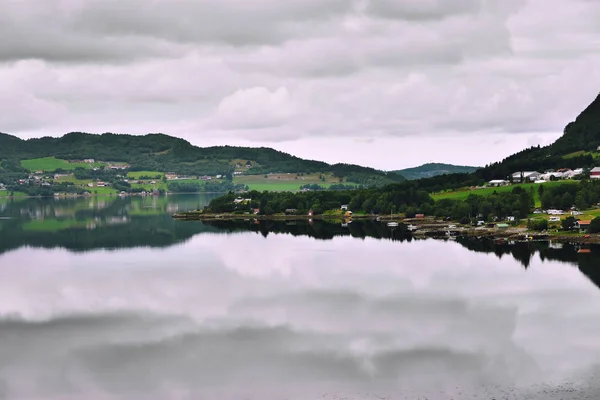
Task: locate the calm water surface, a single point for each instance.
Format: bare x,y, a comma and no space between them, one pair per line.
110,298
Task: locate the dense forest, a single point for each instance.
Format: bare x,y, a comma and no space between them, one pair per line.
158,152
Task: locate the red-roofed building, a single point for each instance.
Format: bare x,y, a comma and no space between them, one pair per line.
583,225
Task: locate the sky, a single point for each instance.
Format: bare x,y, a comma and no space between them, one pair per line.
384,83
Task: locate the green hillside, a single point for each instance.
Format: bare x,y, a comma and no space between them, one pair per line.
434,169
159,152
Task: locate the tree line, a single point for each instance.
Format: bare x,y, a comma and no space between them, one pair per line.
401,198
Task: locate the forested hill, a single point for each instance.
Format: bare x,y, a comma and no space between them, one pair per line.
577,147
583,134
159,152
434,169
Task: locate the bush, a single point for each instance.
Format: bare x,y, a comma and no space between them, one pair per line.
537,224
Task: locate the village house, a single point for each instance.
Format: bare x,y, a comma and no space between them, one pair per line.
171,176
241,200
595,173
526,176
583,225
549,175
573,173
498,182
89,161
344,207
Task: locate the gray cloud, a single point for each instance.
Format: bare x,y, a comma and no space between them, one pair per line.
271,72
421,10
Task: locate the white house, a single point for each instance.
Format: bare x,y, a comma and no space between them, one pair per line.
548,175
527,176
498,182
575,172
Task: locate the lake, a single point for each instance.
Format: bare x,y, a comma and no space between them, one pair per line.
109,297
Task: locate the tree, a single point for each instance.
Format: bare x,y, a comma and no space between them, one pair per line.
547,200
567,224
567,200
580,201
410,212
595,225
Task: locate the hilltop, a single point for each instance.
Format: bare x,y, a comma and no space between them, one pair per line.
163,153
434,169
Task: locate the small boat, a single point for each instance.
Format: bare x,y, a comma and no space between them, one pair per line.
392,224
412,227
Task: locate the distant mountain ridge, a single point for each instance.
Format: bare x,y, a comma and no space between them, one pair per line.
160,152
429,170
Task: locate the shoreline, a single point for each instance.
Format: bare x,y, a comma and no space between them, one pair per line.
425,228
70,196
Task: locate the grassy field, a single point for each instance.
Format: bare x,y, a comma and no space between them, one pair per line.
583,153
283,182
462,194
137,174
51,164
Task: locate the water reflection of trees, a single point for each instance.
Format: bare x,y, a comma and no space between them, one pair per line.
588,261
316,229
81,224
586,257
112,223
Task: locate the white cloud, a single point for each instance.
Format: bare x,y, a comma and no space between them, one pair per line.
255,108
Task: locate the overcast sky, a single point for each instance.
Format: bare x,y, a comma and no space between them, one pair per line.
386,83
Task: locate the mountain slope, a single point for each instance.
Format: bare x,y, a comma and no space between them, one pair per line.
583,134
434,169
577,147
159,152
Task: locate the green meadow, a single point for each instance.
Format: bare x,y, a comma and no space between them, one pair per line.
283,182
463,193
138,174
48,164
